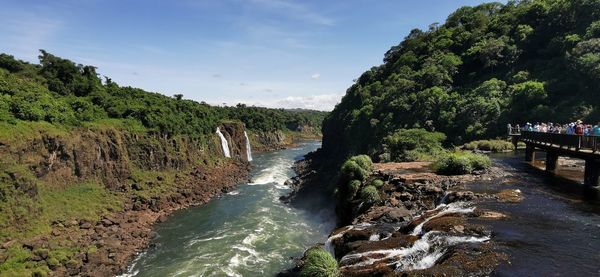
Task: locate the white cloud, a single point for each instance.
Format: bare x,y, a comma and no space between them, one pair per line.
315,76
322,102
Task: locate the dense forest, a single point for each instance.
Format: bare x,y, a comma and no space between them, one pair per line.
61,92
485,67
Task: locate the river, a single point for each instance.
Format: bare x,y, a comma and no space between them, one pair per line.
246,232
554,231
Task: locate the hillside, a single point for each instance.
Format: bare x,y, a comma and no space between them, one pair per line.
485,67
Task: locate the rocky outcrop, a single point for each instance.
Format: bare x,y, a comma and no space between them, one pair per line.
422,225
268,141
110,154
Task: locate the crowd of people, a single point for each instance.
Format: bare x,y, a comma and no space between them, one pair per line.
574,128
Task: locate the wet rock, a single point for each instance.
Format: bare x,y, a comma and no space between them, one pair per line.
466,260
462,196
509,195
162,218
385,214
490,215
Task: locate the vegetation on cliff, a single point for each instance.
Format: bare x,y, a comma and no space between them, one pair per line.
486,66
319,263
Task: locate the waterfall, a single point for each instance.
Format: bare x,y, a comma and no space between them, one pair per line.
248,148
224,143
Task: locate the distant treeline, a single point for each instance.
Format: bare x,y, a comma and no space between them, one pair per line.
61,92
485,67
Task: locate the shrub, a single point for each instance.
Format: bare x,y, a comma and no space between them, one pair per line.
458,163
480,162
489,145
370,194
319,263
353,187
357,167
407,145
377,183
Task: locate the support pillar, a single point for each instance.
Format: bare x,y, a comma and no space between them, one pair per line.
529,153
592,172
515,141
551,160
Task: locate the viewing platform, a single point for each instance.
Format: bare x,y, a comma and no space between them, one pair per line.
577,146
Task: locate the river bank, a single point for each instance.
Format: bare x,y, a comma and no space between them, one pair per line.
106,246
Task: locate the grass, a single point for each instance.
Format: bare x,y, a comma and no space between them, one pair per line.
460,162
21,132
319,263
495,146
80,201
153,183
87,201
34,216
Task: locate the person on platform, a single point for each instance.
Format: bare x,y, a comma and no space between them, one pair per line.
596,130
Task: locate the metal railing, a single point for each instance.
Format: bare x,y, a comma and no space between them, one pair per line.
576,142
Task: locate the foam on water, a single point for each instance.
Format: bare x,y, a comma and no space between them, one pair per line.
276,174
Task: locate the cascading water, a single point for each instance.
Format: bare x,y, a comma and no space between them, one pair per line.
248,147
329,243
422,254
224,143
452,208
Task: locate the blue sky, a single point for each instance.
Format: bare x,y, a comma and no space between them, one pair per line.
276,53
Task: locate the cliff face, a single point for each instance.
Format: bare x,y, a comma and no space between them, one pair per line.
109,155
267,141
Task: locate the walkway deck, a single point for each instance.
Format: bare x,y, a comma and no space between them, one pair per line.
555,145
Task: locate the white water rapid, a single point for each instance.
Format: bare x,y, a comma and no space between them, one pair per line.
224,143
423,254
248,147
